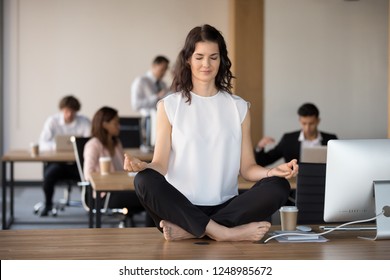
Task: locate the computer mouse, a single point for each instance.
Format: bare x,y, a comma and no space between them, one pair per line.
304,228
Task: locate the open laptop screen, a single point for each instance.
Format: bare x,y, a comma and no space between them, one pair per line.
316,154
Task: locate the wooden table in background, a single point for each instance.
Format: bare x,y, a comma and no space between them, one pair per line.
8,164
8,160
114,181
144,156
245,185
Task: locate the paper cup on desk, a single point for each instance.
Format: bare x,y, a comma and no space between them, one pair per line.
34,149
288,217
105,165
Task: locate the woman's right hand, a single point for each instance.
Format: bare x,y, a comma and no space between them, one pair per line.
132,164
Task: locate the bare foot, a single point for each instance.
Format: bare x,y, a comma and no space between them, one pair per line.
248,232
174,232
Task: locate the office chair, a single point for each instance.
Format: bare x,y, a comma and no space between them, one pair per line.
78,147
310,193
130,132
63,202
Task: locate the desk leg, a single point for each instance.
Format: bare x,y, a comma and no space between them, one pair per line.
90,205
12,191
7,224
98,209
4,195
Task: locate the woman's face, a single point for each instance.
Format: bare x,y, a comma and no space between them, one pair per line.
112,126
205,62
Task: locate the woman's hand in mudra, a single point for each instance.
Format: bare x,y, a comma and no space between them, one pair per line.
132,164
286,170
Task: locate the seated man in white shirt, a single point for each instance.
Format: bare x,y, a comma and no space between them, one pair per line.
66,122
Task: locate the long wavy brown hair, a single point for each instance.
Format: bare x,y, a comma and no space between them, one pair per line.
182,81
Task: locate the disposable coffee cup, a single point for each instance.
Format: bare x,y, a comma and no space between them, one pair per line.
34,149
105,165
288,217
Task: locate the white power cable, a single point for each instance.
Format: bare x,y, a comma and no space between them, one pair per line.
325,232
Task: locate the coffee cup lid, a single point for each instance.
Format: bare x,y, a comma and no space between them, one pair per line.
289,209
104,158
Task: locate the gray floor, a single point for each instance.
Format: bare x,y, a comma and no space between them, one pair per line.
71,217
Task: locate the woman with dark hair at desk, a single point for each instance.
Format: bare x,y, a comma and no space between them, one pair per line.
203,143
105,143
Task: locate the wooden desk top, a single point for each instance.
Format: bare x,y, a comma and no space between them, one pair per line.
149,244
245,185
44,156
54,156
140,154
122,181
114,181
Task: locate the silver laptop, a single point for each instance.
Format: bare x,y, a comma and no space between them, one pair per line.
315,154
63,143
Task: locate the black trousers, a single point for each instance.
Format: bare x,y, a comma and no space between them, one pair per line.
164,202
54,172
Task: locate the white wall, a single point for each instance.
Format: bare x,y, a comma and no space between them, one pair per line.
330,52
90,48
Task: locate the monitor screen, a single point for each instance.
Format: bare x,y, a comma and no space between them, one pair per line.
130,132
352,166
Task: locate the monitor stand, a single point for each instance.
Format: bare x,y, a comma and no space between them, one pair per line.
382,204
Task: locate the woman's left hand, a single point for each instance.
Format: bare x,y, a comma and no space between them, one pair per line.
286,170
132,164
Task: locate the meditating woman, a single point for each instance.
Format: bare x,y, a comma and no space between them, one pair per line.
203,143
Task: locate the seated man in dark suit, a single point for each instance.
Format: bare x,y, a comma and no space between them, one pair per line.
291,144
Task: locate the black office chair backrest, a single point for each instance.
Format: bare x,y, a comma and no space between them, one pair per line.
310,193
130,132
78,148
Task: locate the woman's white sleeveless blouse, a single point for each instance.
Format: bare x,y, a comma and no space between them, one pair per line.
206,146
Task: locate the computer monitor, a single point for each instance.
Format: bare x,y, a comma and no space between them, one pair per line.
130,132
352,166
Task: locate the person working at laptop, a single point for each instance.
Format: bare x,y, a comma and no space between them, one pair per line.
65,122
291,144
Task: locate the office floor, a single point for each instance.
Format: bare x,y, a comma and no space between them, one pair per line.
71,217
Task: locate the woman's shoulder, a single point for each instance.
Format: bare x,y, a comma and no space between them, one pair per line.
94,142
236,97
171,100
238,100
172,97
240,103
